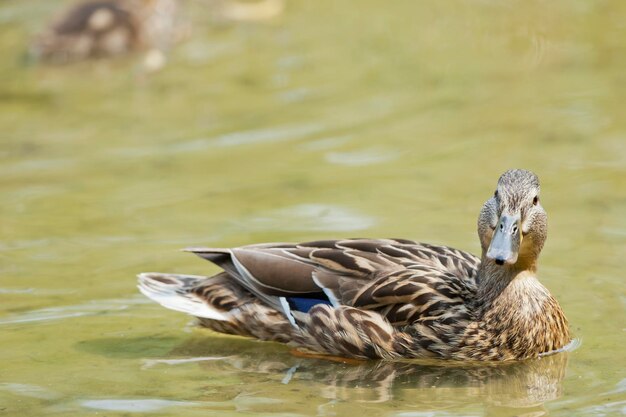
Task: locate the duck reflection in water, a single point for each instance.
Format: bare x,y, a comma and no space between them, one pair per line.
517,387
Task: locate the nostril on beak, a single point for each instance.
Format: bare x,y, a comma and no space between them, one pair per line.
500,261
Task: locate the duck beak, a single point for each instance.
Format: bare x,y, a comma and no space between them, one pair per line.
506,241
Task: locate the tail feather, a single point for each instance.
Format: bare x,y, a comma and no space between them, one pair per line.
173,291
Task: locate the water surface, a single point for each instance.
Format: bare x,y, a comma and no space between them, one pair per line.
333,120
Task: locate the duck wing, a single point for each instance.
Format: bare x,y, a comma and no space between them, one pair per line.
401,279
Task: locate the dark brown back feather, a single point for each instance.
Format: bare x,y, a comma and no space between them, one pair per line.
401,281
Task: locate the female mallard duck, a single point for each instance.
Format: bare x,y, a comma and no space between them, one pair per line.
388,298
104,28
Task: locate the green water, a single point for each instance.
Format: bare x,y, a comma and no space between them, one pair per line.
337,119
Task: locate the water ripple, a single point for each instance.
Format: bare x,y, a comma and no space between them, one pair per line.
135,405
311,217
325,143
28,390
238,138
362,157
58,313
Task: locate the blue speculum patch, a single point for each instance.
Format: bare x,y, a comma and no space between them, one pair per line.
305,303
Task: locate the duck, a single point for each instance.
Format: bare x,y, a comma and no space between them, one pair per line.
389,299
109,28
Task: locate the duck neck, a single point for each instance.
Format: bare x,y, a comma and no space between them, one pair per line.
495,279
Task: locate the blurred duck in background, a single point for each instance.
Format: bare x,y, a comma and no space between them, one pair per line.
107,28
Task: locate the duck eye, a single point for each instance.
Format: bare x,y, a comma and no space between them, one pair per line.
535,200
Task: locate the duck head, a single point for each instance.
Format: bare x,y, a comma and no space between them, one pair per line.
512,225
